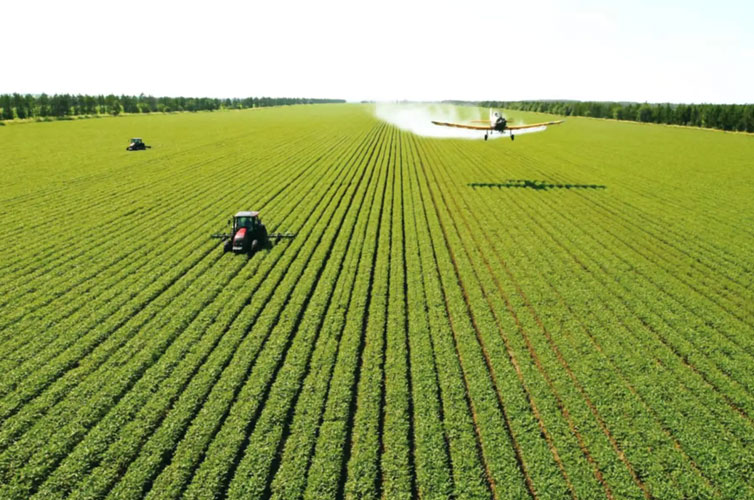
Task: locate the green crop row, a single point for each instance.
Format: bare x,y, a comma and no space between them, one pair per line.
733,483
212,474
433,330
340,334
66,328
237,293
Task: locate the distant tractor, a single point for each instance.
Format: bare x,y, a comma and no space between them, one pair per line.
247,234
137,145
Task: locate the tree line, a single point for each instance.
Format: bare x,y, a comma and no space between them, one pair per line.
733,117
62,105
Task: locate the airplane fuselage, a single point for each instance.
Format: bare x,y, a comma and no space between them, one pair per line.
497,122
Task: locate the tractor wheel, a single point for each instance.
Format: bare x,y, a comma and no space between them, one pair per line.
227,246
254,246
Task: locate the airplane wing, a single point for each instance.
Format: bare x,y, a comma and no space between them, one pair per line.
461,125
533,125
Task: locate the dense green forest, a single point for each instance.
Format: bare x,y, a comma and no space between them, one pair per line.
736,117
62,105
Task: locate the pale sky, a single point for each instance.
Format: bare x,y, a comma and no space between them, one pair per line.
640,50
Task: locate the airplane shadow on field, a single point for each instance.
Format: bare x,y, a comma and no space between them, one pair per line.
532,184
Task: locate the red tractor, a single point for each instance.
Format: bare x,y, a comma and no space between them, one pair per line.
247,234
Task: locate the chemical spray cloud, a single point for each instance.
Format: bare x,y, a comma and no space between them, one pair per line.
417,118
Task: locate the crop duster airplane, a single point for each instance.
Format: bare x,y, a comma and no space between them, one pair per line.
496,123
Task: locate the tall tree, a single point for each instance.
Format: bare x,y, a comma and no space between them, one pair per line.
5,103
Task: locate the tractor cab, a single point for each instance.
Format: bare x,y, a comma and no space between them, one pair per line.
248,220
136,140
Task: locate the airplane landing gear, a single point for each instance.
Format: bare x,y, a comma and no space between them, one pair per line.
512,137
485,137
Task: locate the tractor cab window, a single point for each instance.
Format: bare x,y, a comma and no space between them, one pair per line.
247,222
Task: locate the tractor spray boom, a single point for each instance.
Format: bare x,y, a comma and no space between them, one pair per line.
276,236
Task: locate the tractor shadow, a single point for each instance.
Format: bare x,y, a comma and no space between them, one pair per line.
263,248
533,184
260,250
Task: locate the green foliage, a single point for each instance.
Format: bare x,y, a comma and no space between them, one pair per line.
563,316
63,105
6,107
733,117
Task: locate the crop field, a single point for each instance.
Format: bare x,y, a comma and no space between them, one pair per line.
568,315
